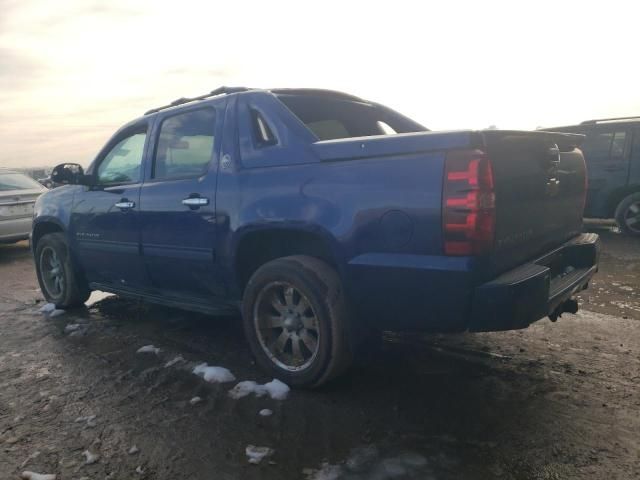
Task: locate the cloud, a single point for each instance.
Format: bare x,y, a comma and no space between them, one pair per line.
19,71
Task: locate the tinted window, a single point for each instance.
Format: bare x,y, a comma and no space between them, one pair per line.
329,129
17,181
262,132
597,145
122,164
604,145
332,118
617,145
185,145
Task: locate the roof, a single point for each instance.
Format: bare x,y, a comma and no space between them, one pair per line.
608,120
316,92
597,121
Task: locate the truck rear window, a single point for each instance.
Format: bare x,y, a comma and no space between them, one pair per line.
333,118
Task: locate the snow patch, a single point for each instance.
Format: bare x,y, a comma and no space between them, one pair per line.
56,313
133,450
90,420
72,327
326,472
265,412
171,363
90,458
47,308
149,349
214,374
195,400
37,476
255,455
365,462
97,296
275,389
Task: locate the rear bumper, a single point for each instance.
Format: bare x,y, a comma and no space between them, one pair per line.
535,290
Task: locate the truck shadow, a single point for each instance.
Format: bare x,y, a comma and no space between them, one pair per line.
467,410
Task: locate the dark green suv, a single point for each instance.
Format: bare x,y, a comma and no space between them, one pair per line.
612,153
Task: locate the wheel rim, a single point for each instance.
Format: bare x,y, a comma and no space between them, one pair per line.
52,272
632,217
287,326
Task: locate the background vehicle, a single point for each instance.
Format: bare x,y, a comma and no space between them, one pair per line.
612,152
18,194
321,216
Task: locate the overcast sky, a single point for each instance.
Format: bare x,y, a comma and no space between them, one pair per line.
71,72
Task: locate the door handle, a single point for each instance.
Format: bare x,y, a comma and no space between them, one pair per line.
195,202
125,204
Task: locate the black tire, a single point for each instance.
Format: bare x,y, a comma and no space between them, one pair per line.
318,283
628,214
72,291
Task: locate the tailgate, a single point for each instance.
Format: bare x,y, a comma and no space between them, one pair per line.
539,187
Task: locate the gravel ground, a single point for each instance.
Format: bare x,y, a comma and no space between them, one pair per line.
556,401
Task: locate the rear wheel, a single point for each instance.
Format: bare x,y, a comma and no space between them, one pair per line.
58,280
296,322
628,214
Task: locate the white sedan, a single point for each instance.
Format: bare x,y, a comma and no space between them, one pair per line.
18,194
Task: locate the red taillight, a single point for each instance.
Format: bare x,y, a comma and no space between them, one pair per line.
468,207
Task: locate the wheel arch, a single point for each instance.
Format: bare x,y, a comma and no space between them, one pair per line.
256,247
42,227
618,195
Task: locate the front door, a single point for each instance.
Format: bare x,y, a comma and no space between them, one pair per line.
177,204
104,221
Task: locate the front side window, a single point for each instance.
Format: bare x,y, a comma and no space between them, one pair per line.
185,145
123,163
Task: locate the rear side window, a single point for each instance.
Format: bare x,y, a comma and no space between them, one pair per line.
604,146
185,145
331,118
262,133
329,129
617,145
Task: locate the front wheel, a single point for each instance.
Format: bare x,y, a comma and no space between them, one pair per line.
295,319
58,280
628,214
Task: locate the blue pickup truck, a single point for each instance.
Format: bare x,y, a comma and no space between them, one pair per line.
320,216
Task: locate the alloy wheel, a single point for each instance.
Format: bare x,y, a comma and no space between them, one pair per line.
287,326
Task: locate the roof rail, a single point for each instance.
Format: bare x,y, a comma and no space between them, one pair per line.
614,119
212,93
320,92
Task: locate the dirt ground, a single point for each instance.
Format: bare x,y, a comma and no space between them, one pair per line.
556,401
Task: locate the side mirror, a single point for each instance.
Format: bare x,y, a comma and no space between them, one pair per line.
69,174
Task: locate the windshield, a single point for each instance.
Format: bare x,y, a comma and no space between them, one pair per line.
17,181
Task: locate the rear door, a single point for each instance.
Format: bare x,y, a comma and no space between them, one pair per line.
177,203
105,218
606,151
